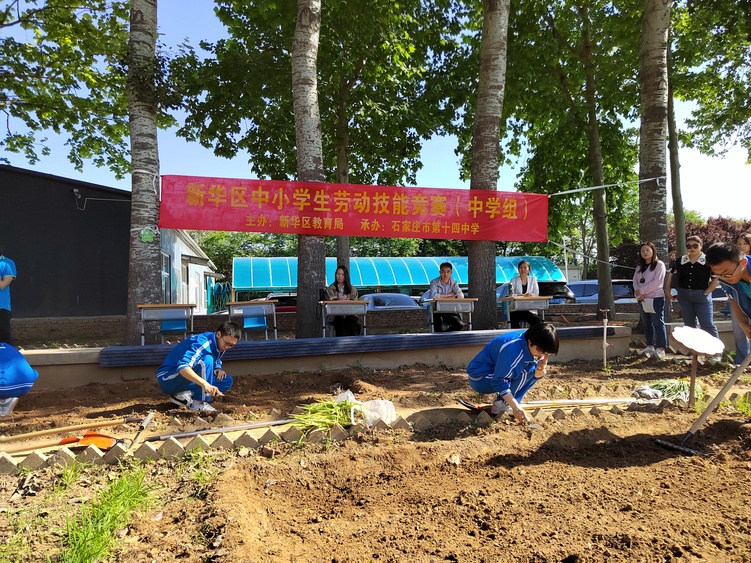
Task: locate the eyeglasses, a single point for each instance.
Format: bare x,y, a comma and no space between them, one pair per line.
692,246
227,343
730,275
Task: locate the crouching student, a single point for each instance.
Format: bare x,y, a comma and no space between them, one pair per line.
511,364
192,372
16,377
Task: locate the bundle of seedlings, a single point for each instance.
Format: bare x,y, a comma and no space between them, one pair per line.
675,389
324,415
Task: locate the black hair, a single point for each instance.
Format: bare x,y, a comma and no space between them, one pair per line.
721,252
446,265
544,336
643,263
230,328
347,283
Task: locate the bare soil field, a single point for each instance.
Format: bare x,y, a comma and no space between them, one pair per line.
588,488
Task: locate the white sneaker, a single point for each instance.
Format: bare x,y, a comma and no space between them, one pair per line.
7,405
648,351
499,407
202,406
659,353
183,398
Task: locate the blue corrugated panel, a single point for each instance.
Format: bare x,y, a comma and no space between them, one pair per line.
280,274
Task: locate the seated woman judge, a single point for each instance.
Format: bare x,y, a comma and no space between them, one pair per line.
343,290
524,285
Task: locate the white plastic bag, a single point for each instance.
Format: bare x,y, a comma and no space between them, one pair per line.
379,409
372,411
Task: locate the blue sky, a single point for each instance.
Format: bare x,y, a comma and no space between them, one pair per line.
712,186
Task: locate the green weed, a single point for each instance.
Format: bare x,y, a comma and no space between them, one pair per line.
743,406
91,535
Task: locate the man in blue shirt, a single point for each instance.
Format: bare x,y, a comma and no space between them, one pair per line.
511,364
7,275
730,266
192,372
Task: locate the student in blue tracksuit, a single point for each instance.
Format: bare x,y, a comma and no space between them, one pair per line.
731,267
511,364
192,372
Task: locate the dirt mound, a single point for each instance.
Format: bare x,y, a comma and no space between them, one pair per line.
585,488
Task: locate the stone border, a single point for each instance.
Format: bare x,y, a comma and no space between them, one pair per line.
174,449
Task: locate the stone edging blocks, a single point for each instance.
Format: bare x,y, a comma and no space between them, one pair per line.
173,449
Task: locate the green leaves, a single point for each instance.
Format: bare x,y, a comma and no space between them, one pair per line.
379,88
64,69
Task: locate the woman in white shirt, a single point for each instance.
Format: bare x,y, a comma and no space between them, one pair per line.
524,285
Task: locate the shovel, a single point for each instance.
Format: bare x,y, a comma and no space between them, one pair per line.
707,411
101,441
64,429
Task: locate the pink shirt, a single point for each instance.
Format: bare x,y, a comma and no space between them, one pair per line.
651,287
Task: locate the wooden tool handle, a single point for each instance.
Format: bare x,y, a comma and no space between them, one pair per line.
67,429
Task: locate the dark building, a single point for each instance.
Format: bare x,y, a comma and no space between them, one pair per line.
69,240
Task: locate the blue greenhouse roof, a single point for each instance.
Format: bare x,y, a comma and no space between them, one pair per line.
280,274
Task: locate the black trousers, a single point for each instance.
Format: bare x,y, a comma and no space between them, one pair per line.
452,320
5,326
517,317
346,325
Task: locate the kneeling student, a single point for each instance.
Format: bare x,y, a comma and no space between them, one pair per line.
511,364
192,372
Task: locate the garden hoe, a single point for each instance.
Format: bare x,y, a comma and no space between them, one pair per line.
707,411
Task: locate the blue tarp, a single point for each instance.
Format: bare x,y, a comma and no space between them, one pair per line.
280,274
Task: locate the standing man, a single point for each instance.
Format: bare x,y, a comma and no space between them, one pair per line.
695,286
192,372
730,266
7,275
445,287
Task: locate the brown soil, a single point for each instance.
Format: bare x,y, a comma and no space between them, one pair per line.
585,488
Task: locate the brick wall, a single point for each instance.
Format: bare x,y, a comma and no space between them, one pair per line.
110,330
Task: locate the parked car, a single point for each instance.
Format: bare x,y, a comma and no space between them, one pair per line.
559,292
286,302
386,301
586,291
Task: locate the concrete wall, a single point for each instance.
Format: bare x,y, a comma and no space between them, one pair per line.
78,367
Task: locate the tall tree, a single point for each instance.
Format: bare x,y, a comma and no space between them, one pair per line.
485,150
311,271
380,89
653,86
60,71
711,66
145,258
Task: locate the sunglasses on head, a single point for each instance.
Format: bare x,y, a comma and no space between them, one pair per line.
692,246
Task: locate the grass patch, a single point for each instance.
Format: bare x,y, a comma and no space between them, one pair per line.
743,405
90,536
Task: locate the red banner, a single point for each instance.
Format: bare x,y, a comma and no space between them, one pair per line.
313,208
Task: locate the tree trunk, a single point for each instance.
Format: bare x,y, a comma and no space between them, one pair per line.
311,253
485,152
145,257
653,86
600,212
342,165
675,176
